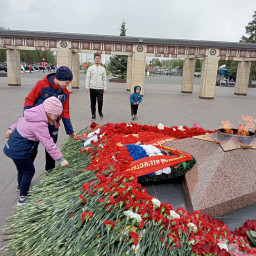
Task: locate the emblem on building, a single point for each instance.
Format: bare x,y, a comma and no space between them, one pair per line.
63,44
139,48
213,51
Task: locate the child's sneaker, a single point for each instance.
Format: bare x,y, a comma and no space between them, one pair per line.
133,117
22,200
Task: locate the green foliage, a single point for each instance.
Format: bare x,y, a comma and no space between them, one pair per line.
37,56
231,66
118,64
198,65
123,29
252,237
168,64
250,30
2,55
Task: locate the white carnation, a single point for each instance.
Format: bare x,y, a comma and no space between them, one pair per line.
192,226
128,213
173,215
181,128
167,170
151,150
160,126
223,246
159,172
156,202
133,215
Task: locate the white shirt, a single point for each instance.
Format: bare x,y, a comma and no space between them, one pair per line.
96,78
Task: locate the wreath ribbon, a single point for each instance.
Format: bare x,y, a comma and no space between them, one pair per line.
154,163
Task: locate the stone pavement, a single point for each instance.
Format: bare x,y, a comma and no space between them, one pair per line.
162,102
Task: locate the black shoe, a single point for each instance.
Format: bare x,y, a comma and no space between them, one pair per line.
93,117
22,200
101,115
133,117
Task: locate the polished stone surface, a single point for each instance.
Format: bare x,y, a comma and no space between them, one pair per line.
221,181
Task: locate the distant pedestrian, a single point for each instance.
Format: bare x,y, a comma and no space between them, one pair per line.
135,100
30,69
96,83
25,134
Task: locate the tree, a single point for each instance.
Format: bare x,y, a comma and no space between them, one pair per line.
2,51
118,63
250,30
37,56
2,55
123,29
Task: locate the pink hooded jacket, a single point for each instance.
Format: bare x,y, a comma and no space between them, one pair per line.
34,126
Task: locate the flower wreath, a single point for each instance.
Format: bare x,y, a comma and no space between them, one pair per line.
150,161
156,163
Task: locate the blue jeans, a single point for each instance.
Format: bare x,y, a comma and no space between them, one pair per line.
26,171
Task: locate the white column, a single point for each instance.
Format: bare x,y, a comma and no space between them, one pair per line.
75,70
64,58
188,75
129,74
242,77
208,77
138,70
13,67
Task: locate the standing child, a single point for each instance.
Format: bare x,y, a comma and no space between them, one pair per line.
53,85
30,129
135,100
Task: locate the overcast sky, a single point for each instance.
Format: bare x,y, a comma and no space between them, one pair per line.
215,20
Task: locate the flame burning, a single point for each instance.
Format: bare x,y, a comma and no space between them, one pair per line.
227,126
246,124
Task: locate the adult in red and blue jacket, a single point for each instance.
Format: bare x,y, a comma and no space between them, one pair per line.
53,85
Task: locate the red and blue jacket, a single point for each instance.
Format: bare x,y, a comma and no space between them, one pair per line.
46,88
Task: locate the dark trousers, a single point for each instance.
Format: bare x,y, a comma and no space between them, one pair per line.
26,171
49,161
134,109
96,95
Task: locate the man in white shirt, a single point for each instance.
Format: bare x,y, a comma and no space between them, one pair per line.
96,83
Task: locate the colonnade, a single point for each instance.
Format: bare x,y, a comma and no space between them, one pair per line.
136,70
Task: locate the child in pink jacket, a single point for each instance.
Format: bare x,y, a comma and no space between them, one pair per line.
31,128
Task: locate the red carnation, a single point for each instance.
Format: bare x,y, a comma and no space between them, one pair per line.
86,214
108,222
93,125
83,199
86,186
135,237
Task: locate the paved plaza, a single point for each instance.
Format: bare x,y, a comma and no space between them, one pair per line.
162,103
